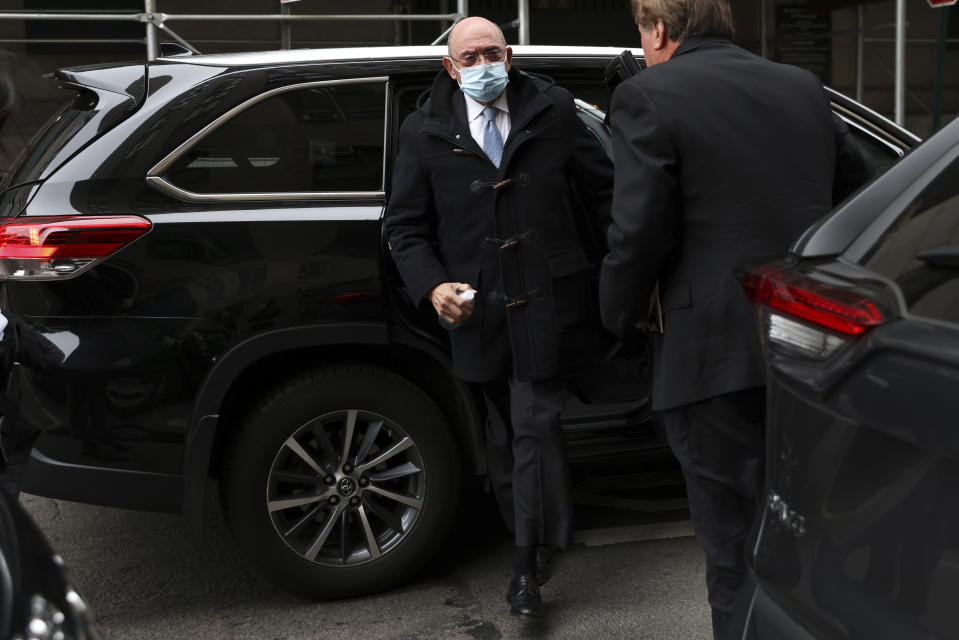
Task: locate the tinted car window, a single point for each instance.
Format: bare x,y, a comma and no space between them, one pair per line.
879,155
47,143
317,138
930,221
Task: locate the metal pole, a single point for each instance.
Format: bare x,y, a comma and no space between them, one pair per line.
250,17
443,35
860,50
763,26
523,21
153,45
286,29
9,15
462,8
940,63
900,84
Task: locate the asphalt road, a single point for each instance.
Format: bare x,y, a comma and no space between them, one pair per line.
634,572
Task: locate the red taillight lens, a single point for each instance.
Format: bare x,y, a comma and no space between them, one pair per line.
58,247
796,295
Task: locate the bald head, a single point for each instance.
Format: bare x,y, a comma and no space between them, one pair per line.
474,29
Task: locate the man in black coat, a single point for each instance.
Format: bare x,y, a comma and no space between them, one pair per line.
482,201
722,160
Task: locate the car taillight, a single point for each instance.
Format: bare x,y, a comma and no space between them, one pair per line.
808,316
50,248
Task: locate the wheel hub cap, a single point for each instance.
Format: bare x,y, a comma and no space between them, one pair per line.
347,487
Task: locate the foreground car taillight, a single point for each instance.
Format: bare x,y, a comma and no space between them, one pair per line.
807,316
50,248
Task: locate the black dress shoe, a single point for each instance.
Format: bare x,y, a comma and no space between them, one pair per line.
544,564
523,597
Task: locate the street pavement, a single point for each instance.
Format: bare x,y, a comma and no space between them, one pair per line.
634,572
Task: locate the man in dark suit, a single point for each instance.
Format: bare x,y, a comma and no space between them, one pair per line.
482,201
722,160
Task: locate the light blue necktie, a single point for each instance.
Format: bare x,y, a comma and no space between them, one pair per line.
492,140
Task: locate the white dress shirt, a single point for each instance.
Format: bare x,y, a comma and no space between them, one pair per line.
477,121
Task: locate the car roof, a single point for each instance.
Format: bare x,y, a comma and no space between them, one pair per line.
298,56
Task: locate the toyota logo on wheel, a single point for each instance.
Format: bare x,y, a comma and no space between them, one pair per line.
347,486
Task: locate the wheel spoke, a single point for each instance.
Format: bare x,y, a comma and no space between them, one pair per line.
392,520
348,435
400,446
405,469
323,440
371,544
371,432
298,449
325,531
298,478
288,503
344,538
416,503
307,518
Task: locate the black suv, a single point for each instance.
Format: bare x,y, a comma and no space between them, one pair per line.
192,260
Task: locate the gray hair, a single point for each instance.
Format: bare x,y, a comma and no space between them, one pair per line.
686,19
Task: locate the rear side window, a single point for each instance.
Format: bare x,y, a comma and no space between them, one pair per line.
322,137
920,250
53,139
879,154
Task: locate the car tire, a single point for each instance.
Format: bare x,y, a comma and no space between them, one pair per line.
322,524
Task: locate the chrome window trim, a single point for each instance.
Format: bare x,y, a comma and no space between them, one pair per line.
868,127
899,151
175,191
341,213
157,181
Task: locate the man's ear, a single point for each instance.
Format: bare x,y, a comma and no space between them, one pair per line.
509,58
660,33
450,69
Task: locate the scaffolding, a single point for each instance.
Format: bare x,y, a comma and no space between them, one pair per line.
156,21
898,41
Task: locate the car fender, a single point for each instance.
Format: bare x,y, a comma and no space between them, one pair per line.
205,417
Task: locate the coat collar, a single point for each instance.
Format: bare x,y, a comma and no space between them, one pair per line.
445,109
699,42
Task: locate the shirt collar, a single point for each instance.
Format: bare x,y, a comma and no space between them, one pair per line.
474,109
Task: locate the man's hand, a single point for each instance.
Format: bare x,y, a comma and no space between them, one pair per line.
449,306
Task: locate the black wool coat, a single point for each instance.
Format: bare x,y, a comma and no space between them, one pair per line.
723,159
512,232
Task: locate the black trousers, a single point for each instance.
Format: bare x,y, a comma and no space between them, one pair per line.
526,456
720,443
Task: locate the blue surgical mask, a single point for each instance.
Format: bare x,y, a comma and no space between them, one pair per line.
483,82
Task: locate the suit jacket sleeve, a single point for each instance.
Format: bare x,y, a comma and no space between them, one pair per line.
852,168
646,205
410,220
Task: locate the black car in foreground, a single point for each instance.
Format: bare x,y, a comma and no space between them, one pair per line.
192,260
37,598
859,536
